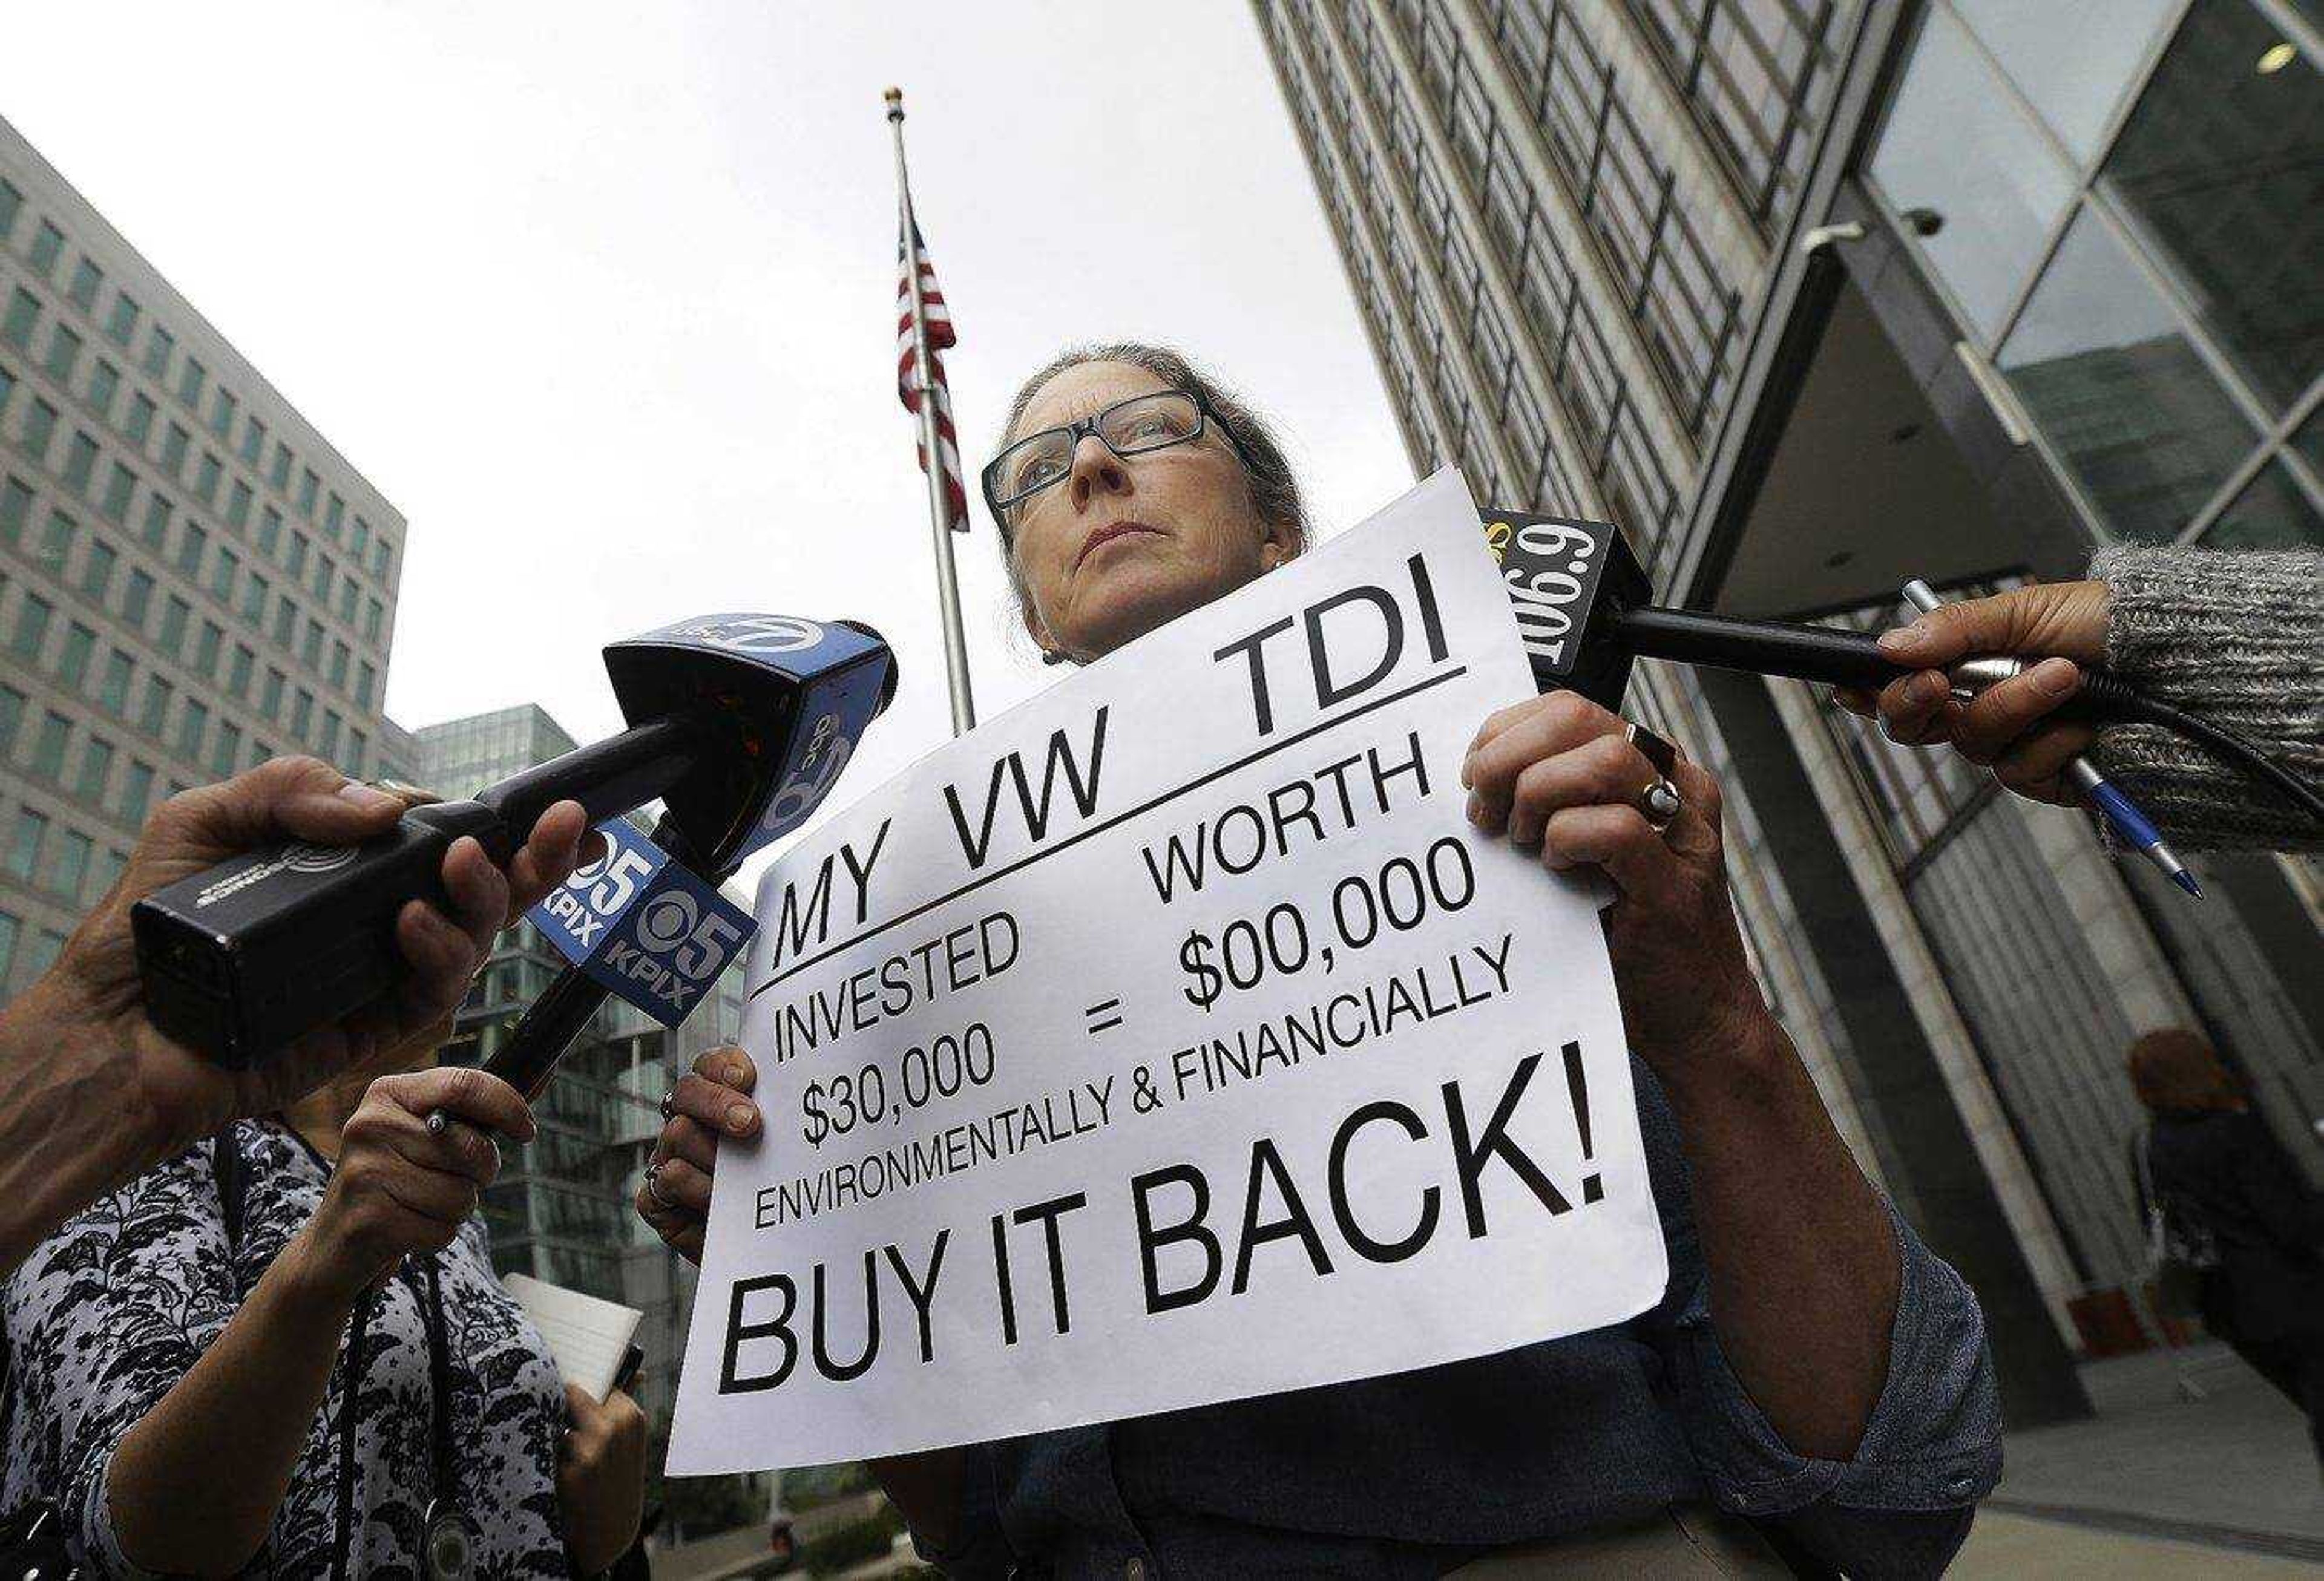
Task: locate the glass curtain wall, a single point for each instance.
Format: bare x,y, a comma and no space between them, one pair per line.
2125,201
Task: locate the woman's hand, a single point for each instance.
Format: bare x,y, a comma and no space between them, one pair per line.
93,999
601,1478
1556,772
2009,728
398,1190
708,1103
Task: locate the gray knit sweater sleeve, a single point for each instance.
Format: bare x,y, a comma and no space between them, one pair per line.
2236,638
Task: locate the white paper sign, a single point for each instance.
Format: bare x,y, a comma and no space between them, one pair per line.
1172,1039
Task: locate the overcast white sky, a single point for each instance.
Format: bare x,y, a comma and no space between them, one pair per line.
600,295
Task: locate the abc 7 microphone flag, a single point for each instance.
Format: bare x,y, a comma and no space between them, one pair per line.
1157,1044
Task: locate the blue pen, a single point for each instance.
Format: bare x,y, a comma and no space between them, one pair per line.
2122,814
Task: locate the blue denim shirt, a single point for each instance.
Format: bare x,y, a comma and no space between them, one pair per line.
1418,1473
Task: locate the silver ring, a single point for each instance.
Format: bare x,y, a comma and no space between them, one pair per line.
669,1103
653,1187
1660,802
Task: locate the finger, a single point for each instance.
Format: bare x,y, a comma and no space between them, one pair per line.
682,1184
464,1092
1564,721
2068,619
581,1407
461,1150
1855,700
729,1066
1617,839
441,957
1990,724
549,855
1607,769
2032,767
297,798
687,1138
478,891
1499,719
1914,709
680,1230
431,1194
720,1108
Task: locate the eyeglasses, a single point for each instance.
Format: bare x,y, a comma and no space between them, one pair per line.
1129,427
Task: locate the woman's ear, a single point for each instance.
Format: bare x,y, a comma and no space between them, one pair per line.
1281,546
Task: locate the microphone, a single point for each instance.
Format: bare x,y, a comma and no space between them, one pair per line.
739,724
1581,598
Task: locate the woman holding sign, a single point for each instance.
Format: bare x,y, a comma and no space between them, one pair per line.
1812,1368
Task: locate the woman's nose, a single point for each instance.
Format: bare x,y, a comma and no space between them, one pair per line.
1096,470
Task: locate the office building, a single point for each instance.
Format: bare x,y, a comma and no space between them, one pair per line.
562,1210
1814,296
192,580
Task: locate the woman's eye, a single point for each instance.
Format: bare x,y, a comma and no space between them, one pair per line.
1036,471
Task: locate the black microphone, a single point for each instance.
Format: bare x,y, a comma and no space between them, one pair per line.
1581,598
740,724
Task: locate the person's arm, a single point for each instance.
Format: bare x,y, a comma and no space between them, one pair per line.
932,1489
92,1094
1802,1262
2232,636
250,1400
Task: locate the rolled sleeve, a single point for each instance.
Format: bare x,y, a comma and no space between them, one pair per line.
1932,1450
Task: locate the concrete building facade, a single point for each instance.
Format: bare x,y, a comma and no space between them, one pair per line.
192,580
561,1208
1814,296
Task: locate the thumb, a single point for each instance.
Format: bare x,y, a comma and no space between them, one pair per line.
302,798
2066,620
581,1406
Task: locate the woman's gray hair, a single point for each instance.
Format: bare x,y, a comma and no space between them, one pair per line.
1274,489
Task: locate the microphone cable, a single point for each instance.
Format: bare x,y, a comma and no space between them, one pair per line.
2116,700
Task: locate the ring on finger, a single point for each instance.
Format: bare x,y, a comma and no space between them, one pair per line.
670,1105
653,1185
1660,802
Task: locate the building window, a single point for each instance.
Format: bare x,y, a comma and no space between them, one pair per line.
205,649
113,690
156,530
122,322
366,682
297,564
238,504
24,313
104,384
64,355
2103,365
339,672
81,461
224,570
11,202
237,681
226,749
308,484
87,277
373,613
71,866
12,719
1958,144
173,450
140,421
277,475
270,701
48,246
74,654
96,770
2217,170
302,713
48,750
310,648
137,791
15,509
191,541
39,428
270,529
159,345
253,441
24,843
31,628
286,620
2272,512
223,407
136,595
193,724
190,380
56,544
156,706
206,478
253,599
176,614
334,512
119,485
97,573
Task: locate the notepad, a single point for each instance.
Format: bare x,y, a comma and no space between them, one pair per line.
587,1337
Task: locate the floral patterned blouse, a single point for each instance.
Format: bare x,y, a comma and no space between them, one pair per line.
109,1313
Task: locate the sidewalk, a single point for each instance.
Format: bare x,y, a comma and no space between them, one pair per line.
2156,1484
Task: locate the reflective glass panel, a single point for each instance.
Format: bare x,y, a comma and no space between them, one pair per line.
2102,362
2073,59
2271,513
2221,169
1958,146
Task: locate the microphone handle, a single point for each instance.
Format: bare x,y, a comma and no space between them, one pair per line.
1761,647
546,1030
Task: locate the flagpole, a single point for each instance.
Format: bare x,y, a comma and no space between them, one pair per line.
964,709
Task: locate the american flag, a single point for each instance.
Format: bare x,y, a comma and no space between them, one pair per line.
912,252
